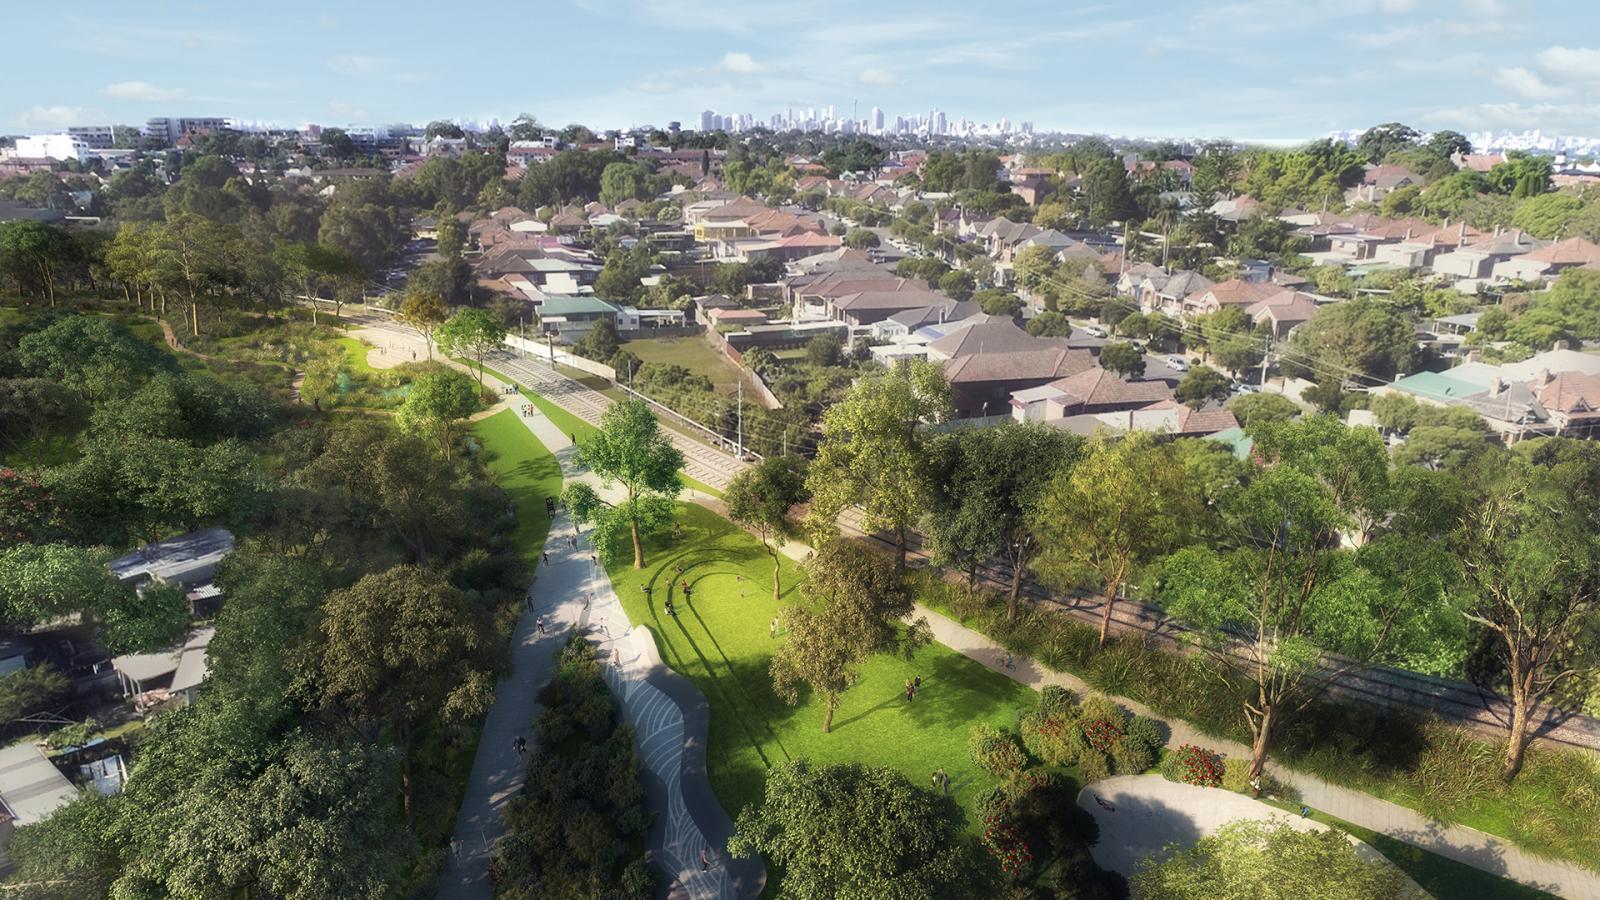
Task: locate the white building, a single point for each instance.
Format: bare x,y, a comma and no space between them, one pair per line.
58,147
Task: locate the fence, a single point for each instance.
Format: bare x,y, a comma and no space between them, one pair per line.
544,350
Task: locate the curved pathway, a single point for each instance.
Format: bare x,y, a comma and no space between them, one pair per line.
668,712
1143,814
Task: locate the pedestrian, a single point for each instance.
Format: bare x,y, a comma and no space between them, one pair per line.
647,590
547,557
616,657
413,356
518,744
670,610
934,779
586,598
539,624
944,782
916,685
1255,786
772,630
688,594
1010,661
705,859
908,690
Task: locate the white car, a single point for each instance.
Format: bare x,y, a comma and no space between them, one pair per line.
1246,389
1177,363
1094,331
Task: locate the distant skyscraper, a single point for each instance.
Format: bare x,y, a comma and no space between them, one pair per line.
877,120
939,125
708,121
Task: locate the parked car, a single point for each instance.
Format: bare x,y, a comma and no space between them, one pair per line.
1177,363
1094,331
1246,389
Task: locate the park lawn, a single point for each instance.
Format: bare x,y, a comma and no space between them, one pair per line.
355,354
527,471
693,353
722,643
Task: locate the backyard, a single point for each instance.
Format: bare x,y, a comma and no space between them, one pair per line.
692,353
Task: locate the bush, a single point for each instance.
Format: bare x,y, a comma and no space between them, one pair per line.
1236,775
995,751
1148,733
1055,700
1132,758
1094,765
1193,765
1099,706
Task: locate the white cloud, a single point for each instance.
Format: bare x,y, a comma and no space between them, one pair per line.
357,64
1398,6
876,76
1527,83
141,90
1577,118
1493,8
1574,63
739,63
45,117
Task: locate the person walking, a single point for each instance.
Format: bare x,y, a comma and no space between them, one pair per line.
705,859
908,690
647,591
539,624
916,685
944,782
547,557
520,744
772,630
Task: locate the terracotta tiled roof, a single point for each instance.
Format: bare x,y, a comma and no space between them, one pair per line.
1098,387
1570,252
1042,365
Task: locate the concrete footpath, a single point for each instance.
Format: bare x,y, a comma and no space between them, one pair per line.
574,595
1465,845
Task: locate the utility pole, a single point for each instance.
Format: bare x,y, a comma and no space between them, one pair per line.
741,419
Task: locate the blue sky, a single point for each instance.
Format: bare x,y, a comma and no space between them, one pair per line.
1249,69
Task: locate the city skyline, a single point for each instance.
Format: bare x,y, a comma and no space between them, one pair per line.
1253,70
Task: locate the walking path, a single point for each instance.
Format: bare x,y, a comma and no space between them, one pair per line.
573,593
1457,842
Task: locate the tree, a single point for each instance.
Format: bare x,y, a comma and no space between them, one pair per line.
472,332
1122,358
367,221
1362,335
854,832
1446,143
1267,861
338,144
855,605
860,239
313,264
958,284
35,410
760,497
437,405
441,128
986,487
1252,408
1201,385
423,312
824,350
1281,594
873,454
1379,141
34,253
95,358
1118,508
1049,324
202,256
1532,563
629,449
599,343
45,581
404,646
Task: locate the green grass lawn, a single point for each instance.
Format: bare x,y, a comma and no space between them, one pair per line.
355,354
527,471
693,353
722,643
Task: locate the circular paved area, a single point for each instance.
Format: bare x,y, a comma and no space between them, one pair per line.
1148,812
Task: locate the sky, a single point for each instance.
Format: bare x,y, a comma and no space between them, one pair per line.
1269,70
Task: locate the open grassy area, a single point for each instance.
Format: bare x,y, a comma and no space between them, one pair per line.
721,641
355,354
693,353
525,470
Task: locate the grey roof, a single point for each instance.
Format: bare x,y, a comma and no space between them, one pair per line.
995,336
186,560
31,787
936,313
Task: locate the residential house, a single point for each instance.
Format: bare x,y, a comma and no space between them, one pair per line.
1166,292
31,788
981,384
1233,292
1283,312
1094,390
866,307
735,318
1475,260
1379,181
172,674
1549,262
572,317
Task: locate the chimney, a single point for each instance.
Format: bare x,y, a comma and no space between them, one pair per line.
1462,233
1496,386
1545,377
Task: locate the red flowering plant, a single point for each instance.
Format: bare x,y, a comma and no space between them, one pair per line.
1104,734
1199,766
1006,844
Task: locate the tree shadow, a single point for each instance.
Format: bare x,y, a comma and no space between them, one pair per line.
1135,828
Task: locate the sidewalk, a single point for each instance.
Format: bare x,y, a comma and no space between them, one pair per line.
575,595
1465,845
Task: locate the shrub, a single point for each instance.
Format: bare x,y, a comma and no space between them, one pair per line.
1147,733
993,750
1054,740
1094,765
1005,843
1099,706
992,803
1132,758
1193,765
1104,735
1236,775
1055,700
